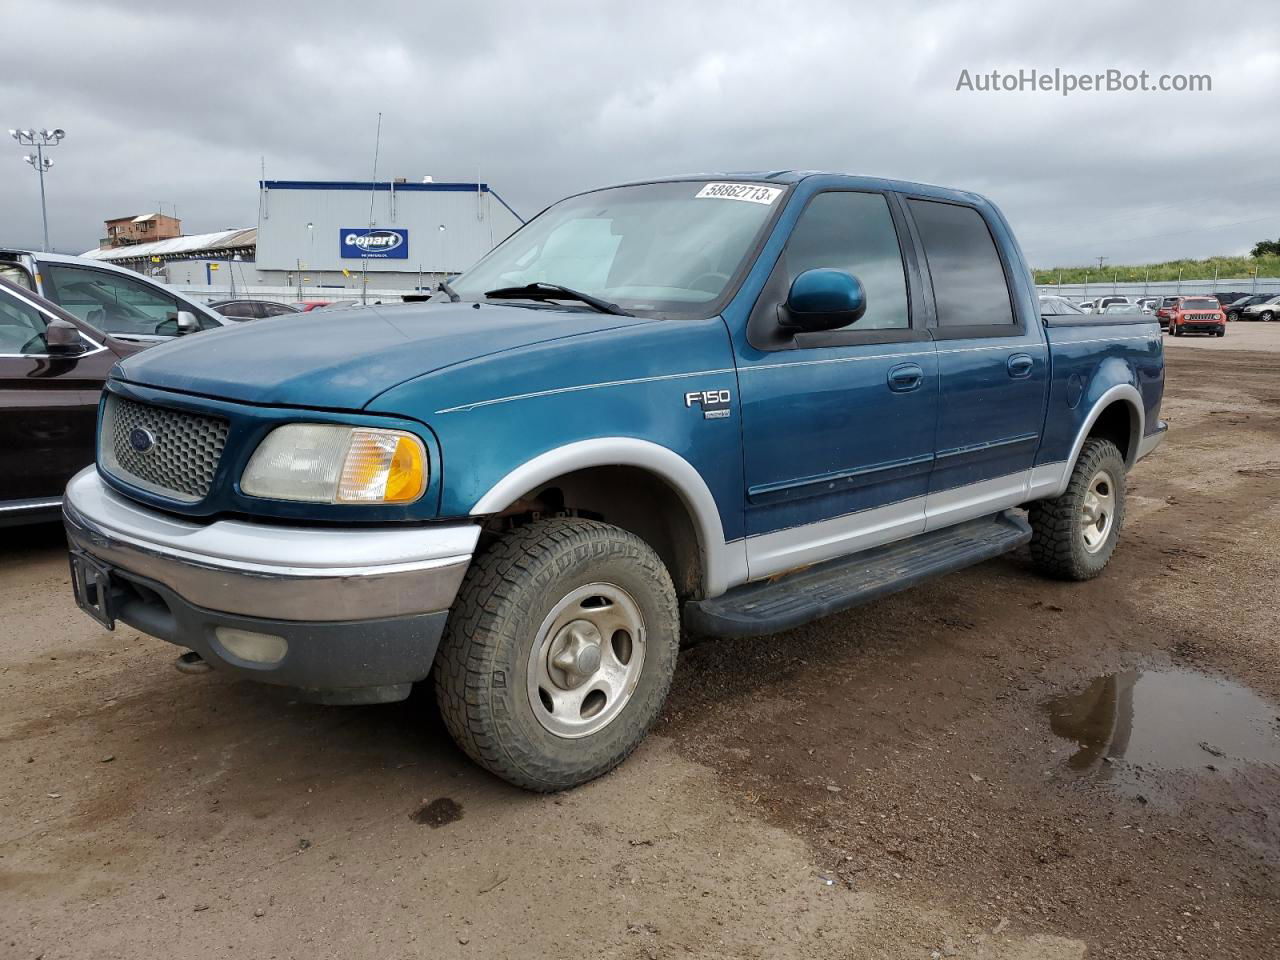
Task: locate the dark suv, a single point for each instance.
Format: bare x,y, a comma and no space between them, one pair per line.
1235,308
52,368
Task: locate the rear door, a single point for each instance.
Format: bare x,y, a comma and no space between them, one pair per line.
992,365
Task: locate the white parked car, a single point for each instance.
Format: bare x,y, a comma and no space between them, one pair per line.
108,298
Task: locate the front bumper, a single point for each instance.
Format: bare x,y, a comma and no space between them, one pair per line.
357,607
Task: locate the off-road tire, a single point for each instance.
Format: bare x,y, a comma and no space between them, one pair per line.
481,668
1057,541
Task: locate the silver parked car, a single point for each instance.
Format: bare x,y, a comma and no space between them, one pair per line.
1266,311
111,299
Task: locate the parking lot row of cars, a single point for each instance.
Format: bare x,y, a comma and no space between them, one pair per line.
1178,315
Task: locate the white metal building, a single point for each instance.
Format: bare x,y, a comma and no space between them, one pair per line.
400,235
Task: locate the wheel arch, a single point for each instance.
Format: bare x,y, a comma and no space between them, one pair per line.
1117,415
608,470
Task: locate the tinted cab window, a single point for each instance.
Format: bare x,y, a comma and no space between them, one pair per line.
854,232
969,286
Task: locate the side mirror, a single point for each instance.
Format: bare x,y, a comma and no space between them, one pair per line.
62,339
187,322
823,300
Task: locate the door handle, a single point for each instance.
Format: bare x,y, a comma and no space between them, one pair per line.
1020,366
905,377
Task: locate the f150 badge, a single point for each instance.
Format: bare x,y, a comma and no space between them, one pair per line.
714,403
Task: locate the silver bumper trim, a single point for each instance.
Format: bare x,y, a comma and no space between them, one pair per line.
270,571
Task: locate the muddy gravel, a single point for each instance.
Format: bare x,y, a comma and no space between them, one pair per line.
992,766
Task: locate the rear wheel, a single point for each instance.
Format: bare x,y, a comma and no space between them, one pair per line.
559,652
1074,535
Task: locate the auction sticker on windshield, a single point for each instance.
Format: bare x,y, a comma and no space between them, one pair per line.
752,192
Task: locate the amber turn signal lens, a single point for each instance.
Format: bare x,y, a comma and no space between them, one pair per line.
408,472
383,466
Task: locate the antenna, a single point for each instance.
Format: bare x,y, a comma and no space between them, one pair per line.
373,192
373,186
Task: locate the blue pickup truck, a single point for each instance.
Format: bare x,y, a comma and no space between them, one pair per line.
716,406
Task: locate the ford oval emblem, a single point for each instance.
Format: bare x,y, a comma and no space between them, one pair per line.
375,241
141,439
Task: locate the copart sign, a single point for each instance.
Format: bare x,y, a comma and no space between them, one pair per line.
374,243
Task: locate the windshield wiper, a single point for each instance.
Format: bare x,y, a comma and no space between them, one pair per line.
449,292
554,291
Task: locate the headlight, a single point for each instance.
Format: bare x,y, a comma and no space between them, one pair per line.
327,463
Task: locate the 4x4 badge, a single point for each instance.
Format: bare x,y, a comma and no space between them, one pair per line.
714,403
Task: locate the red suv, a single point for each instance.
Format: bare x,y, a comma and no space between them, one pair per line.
1198,315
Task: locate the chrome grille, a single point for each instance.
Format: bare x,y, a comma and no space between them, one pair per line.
167,452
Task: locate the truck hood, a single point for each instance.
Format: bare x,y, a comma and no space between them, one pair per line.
342,359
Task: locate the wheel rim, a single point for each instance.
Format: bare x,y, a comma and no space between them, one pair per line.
1097,513
586,660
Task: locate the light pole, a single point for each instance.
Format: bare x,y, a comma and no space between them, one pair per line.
311,233
443,274
40,139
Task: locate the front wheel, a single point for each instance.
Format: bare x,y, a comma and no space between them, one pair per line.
1074,535
559,652
1267,316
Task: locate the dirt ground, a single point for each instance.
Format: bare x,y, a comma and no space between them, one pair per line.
990,766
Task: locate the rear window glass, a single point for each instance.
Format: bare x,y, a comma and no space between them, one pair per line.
969,286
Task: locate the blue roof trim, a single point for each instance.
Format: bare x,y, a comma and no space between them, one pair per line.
380,185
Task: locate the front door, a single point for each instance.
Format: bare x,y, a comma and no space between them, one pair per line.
838,427
993,365
48,408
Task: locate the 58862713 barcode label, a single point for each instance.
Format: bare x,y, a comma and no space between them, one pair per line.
751,192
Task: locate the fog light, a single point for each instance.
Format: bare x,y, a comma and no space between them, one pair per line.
251,646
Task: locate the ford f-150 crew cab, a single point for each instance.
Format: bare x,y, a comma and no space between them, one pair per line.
727,405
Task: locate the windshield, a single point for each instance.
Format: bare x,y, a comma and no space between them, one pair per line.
1199,304
651,247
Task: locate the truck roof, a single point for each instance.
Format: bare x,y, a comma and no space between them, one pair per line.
789,177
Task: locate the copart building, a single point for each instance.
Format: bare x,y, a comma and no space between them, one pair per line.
333,238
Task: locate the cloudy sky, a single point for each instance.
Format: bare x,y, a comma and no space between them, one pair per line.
182,104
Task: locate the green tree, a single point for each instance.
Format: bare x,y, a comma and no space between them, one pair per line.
1266,248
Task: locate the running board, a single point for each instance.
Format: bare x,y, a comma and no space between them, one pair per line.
769,606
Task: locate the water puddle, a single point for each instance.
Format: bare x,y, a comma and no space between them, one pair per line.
1131,725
